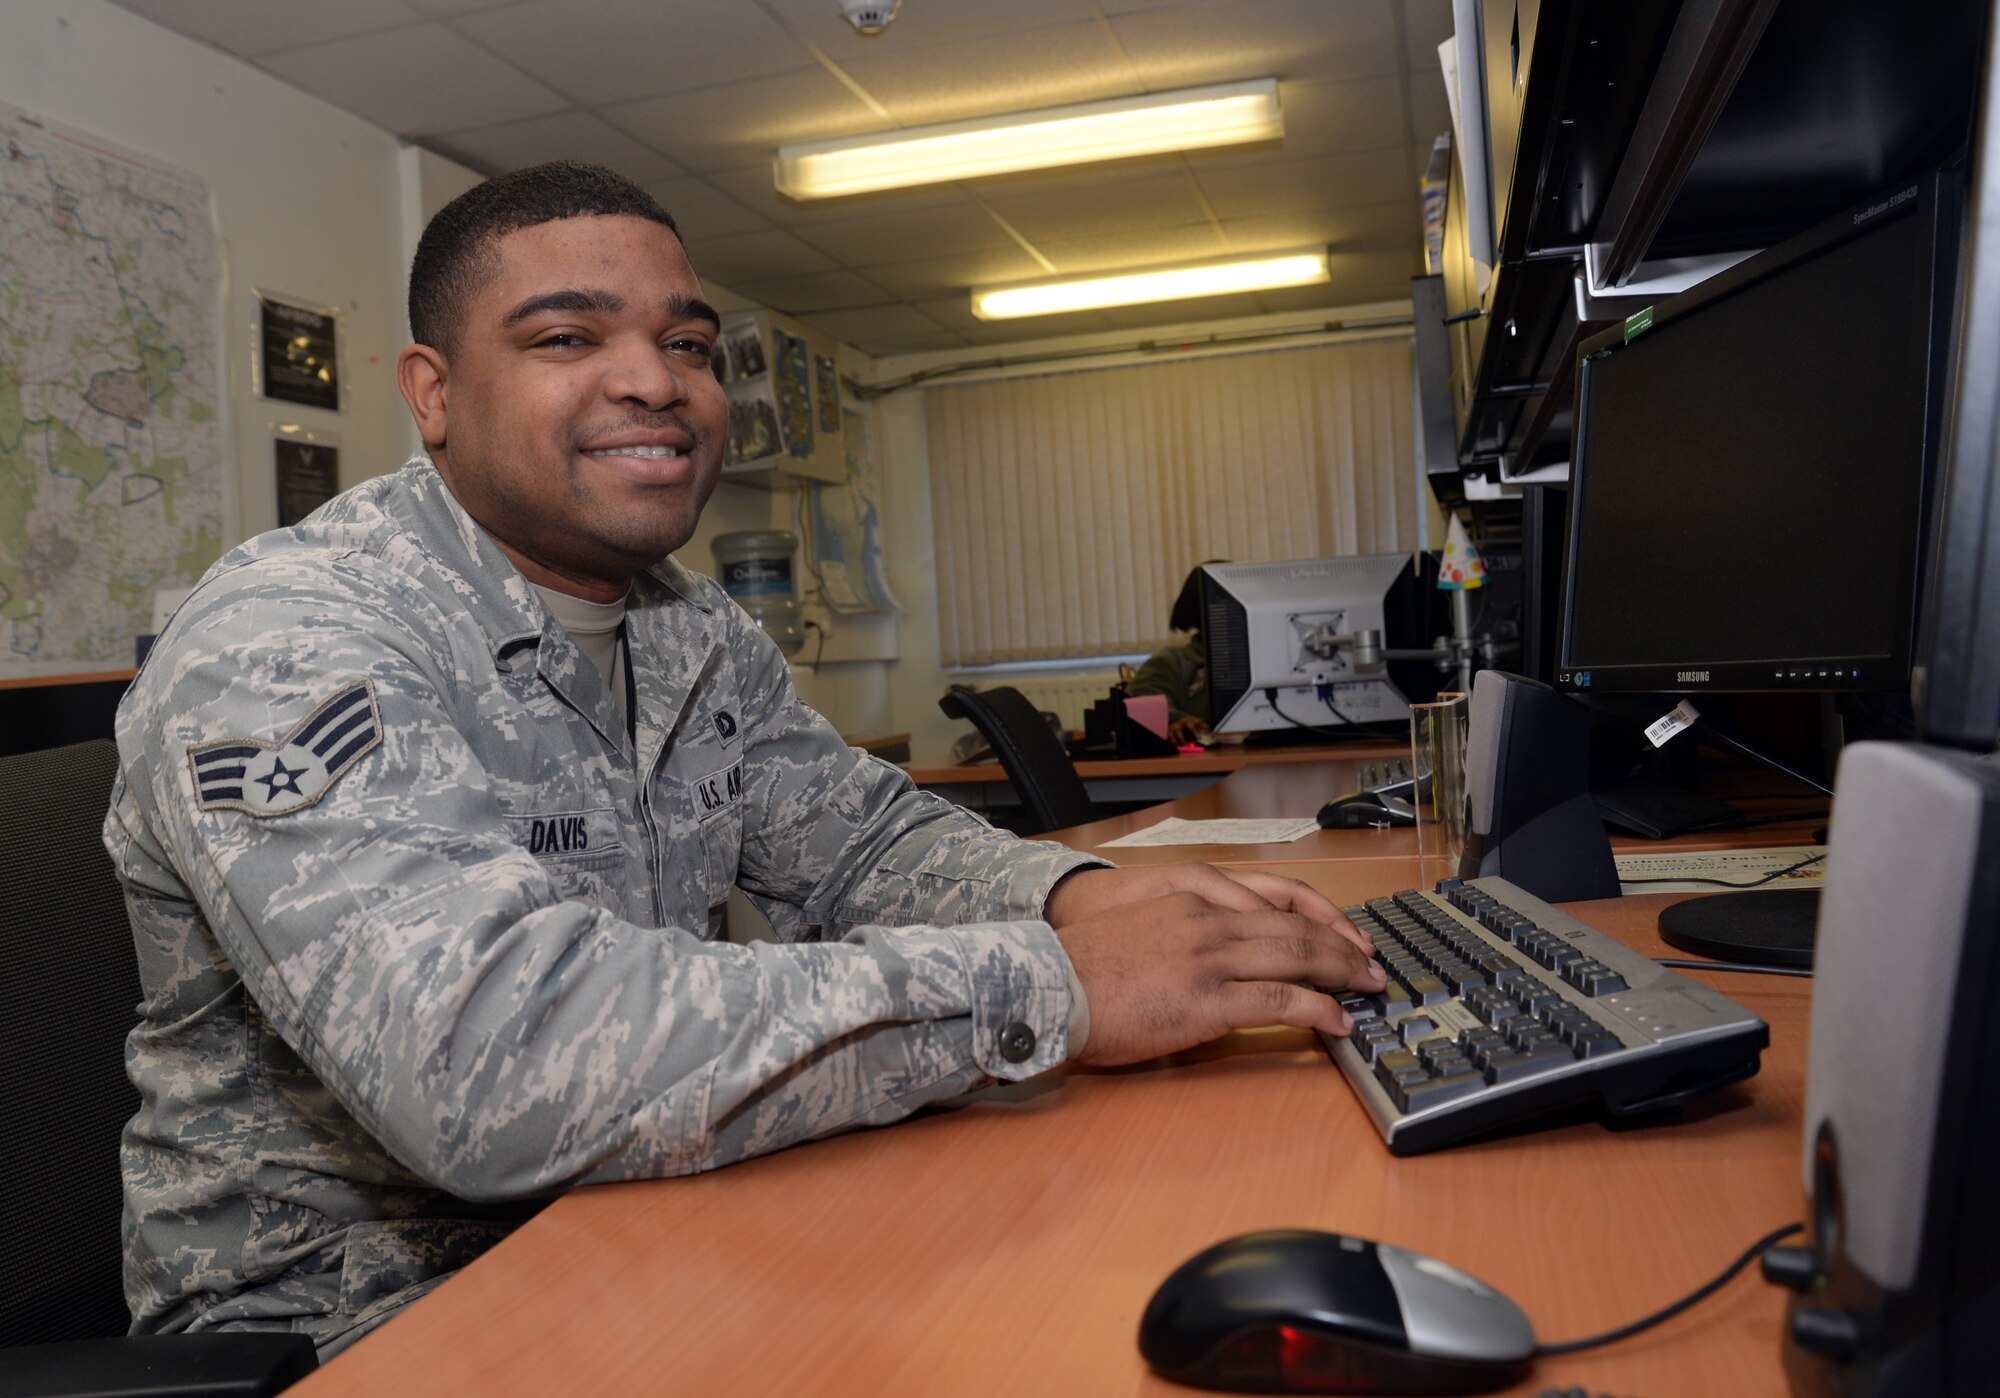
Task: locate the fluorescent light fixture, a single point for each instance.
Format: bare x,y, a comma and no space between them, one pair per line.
1259,273
1190,119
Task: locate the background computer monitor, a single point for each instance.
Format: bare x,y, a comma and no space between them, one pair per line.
1263,675
1749,470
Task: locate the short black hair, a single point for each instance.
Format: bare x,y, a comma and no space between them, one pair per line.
1186,615
455,256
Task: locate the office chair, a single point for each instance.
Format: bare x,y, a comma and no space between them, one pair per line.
68,997
1042,774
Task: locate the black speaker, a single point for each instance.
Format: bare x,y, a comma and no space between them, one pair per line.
1527,773
1898,1285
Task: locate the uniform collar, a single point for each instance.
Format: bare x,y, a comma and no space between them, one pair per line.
671,623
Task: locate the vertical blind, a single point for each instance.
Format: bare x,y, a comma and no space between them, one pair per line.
1068,508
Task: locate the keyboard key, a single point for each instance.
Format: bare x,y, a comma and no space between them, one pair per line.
1419,1095
1427,989
1562,956
1512,1067
1597,1045
1395,998
1603,981
1533,996
1417,1027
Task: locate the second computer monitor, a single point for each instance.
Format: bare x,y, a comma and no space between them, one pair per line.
1295,646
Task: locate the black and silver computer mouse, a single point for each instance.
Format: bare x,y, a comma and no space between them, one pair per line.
1294,1311
1366,808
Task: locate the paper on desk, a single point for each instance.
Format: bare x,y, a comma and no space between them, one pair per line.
1175,831
1725,866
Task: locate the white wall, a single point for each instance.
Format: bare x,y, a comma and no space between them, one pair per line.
305,196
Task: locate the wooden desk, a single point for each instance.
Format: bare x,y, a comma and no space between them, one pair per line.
983,785
1009,1245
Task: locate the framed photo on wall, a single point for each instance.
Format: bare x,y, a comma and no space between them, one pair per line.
299,351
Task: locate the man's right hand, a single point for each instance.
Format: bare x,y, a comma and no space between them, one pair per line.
1170,973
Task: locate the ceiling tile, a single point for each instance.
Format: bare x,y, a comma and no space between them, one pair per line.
920,344
252,27
925,24
741,258
448,8
1430,108
701,211
1135,249
751,184
816,291
1426,24
876,328
1015,72
1326,118
1396,225
1286,186
1110,205
391,79
658,48
878,238
954,311
1372,276
721,128
514,145
936,276
1295,40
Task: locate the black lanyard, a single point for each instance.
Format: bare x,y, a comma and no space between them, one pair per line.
631,689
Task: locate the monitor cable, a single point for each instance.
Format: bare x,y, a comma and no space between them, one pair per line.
1352,730
1702,1293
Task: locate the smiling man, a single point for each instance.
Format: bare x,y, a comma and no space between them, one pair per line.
430,805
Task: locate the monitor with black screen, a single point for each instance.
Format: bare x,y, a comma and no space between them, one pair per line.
1750,464
1750,485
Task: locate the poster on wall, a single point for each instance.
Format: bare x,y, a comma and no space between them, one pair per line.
308,469
298,352
795,405
111,395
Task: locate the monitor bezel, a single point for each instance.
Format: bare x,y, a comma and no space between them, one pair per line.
1931,198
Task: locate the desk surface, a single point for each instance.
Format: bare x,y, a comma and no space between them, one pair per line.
1217,760
1009,1245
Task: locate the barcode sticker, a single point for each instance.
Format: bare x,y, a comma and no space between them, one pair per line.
1662,730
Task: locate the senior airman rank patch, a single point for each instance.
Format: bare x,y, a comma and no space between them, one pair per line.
274,779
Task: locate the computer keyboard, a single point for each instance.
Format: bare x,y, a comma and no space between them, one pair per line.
1391,778
1500,1008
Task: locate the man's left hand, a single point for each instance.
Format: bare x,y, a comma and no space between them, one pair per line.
1091,891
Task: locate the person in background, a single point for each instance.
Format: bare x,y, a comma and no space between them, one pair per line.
1179,670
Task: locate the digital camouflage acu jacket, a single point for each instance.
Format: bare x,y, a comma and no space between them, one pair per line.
425,941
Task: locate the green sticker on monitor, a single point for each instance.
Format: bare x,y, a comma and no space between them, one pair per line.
1637,324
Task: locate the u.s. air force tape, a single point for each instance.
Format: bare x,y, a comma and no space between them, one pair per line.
274,779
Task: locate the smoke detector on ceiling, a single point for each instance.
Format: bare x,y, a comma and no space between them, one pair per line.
870,17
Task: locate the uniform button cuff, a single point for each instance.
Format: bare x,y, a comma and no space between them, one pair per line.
1017,1042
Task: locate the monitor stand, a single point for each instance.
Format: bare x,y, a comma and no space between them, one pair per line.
1772,926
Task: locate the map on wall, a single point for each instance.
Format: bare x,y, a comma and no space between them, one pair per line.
111,457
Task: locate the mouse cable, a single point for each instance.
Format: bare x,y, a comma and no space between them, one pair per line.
1757,1249
1748,968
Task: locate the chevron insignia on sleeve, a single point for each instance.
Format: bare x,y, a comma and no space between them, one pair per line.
274,779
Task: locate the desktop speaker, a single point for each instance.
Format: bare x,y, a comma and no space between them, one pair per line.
1527,774
1898,1285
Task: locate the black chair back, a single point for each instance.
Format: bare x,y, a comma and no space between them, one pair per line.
1042,774
69,993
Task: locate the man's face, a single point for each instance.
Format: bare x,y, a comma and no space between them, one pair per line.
577,418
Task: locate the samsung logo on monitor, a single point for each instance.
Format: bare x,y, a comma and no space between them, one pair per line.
1690,677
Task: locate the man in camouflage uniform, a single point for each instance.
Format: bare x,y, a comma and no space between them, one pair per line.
429,807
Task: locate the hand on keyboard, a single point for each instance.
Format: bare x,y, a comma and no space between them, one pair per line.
1169,973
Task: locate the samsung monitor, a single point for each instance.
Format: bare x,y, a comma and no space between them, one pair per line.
1299,646
1751,463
